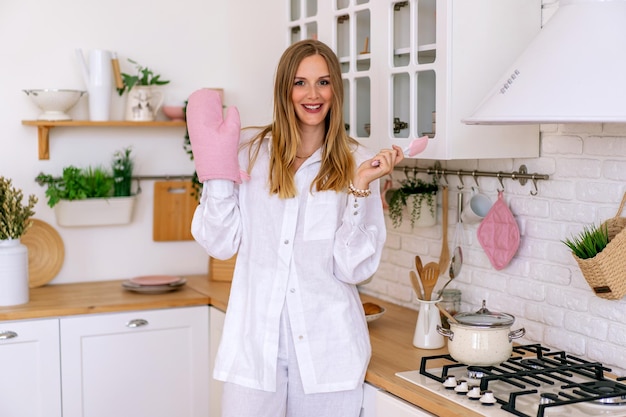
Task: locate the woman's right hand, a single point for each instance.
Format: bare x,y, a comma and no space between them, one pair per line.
370,170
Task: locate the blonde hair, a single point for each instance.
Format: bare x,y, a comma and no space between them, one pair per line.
338,164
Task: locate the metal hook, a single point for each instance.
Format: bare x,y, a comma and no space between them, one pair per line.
460,187
406,172
535,191
445,178
499,176
475,179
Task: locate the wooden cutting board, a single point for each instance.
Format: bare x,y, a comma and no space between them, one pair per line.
174,205
221,270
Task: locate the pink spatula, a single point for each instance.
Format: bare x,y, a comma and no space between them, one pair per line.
416,146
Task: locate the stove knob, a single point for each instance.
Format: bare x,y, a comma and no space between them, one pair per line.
462,387
488,398
450,382
473,393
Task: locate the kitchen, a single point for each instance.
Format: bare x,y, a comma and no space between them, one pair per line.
201,44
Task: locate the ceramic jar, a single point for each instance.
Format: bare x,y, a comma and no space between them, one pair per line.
13,272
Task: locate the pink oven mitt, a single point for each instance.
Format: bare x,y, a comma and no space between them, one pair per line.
214,140
498,234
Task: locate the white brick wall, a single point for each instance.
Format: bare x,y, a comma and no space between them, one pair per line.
542,286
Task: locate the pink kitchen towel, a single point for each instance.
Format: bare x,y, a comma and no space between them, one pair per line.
498,234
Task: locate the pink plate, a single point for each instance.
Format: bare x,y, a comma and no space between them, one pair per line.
155,280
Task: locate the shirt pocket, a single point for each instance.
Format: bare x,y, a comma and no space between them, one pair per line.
321,216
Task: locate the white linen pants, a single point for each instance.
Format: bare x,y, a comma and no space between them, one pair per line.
289,400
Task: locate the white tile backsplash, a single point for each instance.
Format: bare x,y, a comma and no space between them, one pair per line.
542,286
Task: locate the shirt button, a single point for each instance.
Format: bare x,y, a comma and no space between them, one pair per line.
300,337
286,241
355,213
292,290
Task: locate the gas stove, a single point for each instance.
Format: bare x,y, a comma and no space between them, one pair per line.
534,382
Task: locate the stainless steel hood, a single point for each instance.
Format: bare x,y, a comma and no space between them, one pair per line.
574,70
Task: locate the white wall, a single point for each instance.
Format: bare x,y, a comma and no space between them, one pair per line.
193,43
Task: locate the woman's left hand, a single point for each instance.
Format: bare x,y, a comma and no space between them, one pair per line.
380,165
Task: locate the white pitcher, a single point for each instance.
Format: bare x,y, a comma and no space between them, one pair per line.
426,335
99,81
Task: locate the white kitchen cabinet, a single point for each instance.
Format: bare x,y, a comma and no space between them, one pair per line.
29,360
216,326
389,405
369,401
141,363
416,67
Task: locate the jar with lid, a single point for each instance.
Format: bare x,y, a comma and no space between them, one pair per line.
451,302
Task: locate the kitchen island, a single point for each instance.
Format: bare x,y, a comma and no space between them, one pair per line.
391,335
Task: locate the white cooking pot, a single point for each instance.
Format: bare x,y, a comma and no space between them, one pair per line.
482,338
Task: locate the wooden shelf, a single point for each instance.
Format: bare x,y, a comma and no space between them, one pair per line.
44,126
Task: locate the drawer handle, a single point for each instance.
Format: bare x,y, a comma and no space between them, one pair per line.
7,335
137,323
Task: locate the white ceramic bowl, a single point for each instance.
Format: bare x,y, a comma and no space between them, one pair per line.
55,103
173,111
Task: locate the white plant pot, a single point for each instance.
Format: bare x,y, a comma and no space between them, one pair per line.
428,214
95,211
13,272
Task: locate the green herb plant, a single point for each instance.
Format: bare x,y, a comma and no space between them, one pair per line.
91,182
412,191
143,76
590,242
14,217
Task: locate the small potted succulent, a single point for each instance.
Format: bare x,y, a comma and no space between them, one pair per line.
143,99
92,196
416,195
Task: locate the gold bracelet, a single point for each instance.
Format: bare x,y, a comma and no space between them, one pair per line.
358,193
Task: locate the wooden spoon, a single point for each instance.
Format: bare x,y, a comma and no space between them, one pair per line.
416,285
429,277
444,258
418,265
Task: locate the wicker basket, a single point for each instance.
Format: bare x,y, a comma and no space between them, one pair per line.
606,272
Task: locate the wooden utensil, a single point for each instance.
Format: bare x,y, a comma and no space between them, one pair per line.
445,312
416,285
418,265
429,277
444,258
174,205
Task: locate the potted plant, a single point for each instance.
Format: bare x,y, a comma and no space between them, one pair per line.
590,242
14,222
418,195
92,196
143,100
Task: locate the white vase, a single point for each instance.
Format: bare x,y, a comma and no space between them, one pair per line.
98,78
428,318
143,103
13,272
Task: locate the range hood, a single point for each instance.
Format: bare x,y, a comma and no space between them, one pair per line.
574,70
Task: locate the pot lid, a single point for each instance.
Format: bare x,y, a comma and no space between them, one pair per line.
485,318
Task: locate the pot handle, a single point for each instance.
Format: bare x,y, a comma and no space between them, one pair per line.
447,333
516,334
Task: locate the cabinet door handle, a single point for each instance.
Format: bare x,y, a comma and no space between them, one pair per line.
7,335
137,323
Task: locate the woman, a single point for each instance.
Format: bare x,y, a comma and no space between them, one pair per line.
307,224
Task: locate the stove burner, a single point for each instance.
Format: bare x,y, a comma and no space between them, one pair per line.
607,388
475,373
533,363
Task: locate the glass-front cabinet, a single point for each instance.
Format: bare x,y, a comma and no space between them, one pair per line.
418,67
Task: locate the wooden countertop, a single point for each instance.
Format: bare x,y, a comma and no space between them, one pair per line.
391,335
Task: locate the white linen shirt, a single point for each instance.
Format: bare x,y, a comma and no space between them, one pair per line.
308,252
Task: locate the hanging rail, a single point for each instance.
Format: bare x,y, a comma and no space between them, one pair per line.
522,175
